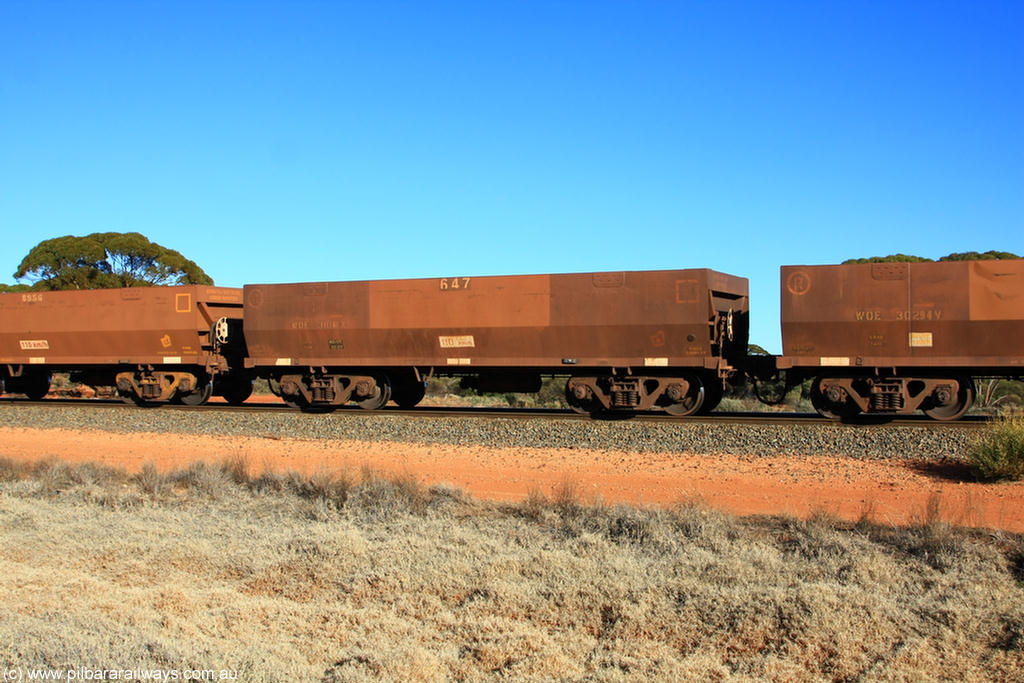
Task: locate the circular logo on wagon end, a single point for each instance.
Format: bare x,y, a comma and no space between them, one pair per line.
798,283
255,298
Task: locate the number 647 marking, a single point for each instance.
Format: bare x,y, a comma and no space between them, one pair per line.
454,283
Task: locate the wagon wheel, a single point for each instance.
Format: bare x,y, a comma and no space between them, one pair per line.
713,393
947,406
196,398
773,391
237,391
408,394
36,386
688,403
833,410
379,398
583,406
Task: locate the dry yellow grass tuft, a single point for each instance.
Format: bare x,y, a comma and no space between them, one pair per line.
348,576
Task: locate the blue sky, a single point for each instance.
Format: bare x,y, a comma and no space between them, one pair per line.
296,141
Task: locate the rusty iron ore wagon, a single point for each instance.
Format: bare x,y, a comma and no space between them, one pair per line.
626,340
152,343
893,338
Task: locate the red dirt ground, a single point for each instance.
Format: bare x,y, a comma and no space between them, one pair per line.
886,492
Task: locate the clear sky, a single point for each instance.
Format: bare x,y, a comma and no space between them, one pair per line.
297,141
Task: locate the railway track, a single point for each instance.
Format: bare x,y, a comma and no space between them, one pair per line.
427,412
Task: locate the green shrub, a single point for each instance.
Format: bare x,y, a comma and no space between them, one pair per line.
999,451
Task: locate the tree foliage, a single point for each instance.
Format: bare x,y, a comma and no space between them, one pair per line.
14,288
106,260
755,350
975,256
961,256
891,258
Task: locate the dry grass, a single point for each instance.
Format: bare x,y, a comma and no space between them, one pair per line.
352,576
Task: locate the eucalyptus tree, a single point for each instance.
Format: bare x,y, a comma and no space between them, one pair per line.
105,260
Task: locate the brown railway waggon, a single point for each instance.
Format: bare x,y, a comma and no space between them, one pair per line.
893,338
151,343
626,340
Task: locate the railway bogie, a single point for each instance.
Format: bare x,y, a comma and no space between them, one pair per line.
327,389
677,395
941,398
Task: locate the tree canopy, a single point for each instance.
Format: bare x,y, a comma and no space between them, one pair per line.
105,260
891,258
961,256
975,256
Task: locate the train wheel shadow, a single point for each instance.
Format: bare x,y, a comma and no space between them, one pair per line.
613,415
868,419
